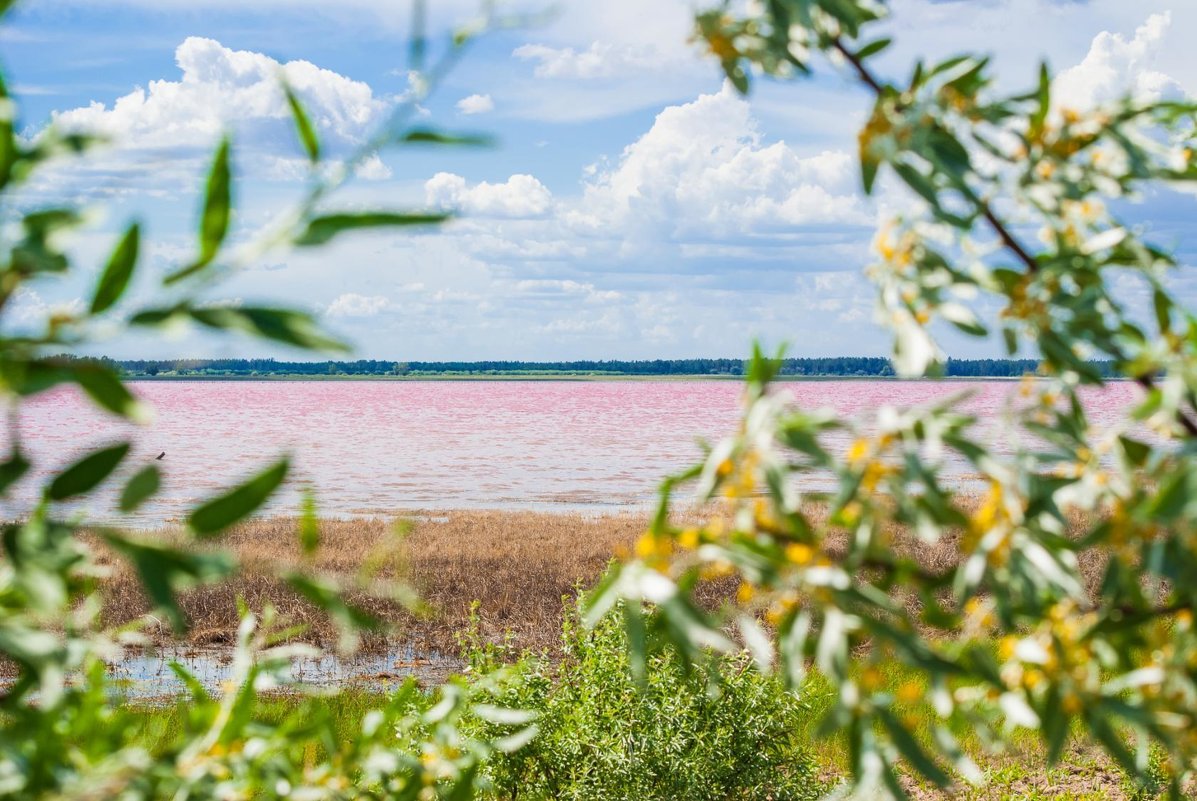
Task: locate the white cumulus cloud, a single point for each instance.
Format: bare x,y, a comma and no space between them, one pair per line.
352,304
703,170
221,89
599,60
518,196
476,104
1115,66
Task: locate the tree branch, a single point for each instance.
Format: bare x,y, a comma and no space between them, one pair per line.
1009,241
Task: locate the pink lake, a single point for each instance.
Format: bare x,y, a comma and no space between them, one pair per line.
375,447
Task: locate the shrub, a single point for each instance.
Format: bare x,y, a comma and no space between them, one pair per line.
678,734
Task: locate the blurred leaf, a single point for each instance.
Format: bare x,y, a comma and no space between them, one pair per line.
303,125
872,48
164,571
912,751
106,389
433,137
12,469
118,272
214,219
8,142
326,595
309,524
322,229
281,325
223,511
141,486
87,473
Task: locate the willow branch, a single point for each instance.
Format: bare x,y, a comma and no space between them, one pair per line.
1007,237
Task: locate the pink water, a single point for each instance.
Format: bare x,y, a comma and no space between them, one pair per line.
381,446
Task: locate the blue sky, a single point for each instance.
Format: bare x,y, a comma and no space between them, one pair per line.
634,208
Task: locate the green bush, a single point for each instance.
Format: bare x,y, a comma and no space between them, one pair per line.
677,735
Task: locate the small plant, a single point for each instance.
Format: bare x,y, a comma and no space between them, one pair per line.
676,734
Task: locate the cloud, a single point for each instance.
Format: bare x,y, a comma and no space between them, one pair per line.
520,196
599,60
476,104
352,304
1115,66
703,171
221,89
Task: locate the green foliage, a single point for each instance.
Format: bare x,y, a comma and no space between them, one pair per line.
65,729
1014,633
681,734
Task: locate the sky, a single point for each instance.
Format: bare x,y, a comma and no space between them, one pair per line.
633,207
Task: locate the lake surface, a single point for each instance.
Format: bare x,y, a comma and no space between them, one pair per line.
375,447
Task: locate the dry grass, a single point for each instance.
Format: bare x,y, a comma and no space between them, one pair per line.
517,565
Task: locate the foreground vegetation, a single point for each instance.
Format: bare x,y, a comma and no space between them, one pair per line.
500,578
1057,610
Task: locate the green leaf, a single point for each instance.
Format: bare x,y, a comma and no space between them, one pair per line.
142,485
87,473
309,525
106,389
118,272
328,597
433,137
322,229
214,220
303,125
912,751
164,571
9,150
872,48
12,469
281,325
1043,96
223,511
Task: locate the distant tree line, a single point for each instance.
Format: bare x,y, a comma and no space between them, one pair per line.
867,366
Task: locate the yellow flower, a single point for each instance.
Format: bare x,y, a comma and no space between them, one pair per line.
745,593
1071,704
871,679
650,546
1006,647
858,451
910,693
688,538
799,554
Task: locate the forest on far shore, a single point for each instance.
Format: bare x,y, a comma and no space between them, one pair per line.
844,366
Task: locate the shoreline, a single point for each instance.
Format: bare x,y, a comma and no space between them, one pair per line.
577,377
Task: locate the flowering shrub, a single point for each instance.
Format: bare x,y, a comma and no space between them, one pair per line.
1009,634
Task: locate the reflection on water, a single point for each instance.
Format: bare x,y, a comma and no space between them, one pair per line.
149,675
378,446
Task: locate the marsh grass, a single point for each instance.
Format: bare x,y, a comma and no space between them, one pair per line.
517,565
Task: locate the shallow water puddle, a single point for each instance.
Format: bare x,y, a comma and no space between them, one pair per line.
149,675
